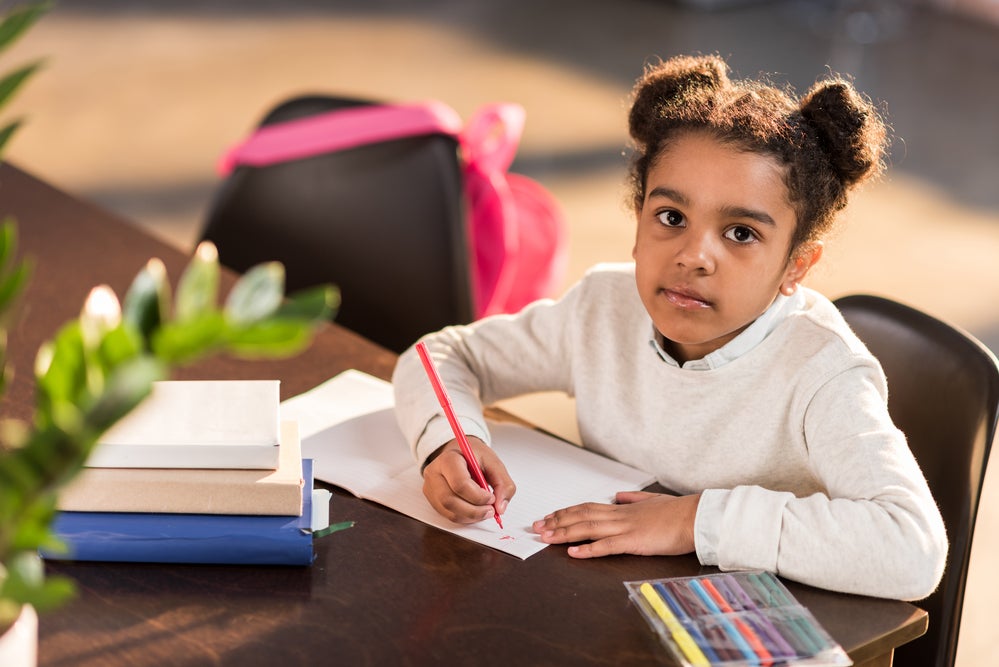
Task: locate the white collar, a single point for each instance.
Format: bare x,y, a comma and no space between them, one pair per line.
753,335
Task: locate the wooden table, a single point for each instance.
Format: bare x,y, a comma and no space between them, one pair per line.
390,590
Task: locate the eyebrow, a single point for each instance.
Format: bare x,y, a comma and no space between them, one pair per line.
730,211
669,193
742,212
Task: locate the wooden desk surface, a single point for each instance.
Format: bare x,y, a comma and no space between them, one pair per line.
389,590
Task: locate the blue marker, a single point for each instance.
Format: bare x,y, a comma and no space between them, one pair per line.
740,600
690,624
733,633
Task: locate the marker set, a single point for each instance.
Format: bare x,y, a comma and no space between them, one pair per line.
738,618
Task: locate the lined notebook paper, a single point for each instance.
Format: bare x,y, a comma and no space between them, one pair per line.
348,428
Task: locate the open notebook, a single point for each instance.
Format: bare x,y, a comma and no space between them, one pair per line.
348,428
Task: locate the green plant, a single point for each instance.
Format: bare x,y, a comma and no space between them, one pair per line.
16,23
100,366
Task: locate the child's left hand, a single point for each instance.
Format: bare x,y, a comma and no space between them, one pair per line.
641,523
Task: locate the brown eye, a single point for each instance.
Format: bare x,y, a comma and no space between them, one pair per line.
741,234
670,218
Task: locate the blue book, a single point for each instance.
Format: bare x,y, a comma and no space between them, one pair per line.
189,538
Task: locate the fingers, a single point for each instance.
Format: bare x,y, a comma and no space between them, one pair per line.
639,523
498,478
589,521
454,494
627,497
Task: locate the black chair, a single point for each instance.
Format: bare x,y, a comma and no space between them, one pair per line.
943,392
384,222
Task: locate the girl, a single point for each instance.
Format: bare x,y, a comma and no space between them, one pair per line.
705,361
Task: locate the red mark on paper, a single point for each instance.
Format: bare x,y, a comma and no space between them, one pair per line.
508,537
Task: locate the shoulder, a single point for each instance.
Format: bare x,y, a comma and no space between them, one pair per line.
819,317
610,274
608,289
818,340
609,280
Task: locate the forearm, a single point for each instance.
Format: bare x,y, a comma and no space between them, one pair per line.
888,547
417,409
479,364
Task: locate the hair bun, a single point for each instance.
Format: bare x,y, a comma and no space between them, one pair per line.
669,86
849,129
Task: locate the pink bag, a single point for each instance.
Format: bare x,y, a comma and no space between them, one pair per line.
517,232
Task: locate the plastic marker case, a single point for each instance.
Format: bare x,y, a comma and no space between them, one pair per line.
733,618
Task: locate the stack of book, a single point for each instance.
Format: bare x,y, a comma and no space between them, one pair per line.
199,472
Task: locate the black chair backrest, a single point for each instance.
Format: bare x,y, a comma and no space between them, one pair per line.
384,222
943,392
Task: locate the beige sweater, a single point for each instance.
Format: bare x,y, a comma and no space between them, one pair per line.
801,469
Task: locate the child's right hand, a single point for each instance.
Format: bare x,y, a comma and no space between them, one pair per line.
451,490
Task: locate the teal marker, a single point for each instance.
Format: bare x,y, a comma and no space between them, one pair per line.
730,629
803,631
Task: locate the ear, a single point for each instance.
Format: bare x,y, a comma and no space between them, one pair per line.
798,266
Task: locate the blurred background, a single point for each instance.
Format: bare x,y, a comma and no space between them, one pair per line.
138,99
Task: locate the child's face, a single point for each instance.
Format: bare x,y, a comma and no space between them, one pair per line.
711,249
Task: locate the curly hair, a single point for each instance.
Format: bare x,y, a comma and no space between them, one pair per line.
828,141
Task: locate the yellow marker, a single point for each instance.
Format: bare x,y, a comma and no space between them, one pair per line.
679,633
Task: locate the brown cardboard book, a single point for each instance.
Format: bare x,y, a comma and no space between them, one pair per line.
194,490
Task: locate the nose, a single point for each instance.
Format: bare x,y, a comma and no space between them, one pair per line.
697,252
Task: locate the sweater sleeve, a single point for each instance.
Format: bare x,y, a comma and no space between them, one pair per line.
876,531
492,359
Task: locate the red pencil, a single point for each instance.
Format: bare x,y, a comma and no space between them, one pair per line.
442,398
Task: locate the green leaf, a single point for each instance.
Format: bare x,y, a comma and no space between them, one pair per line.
273,338
7,132
198,288
182,342
33,532
22,587
8,242
11,287
19,20
30,473
10,83
118,346
256,295
316,304
147,302
65,376
127,385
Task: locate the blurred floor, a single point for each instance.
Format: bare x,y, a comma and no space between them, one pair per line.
138,99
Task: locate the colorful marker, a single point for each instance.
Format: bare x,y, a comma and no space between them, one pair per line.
736,637
680,635
695,632
803,633
747,633
695,611
743,601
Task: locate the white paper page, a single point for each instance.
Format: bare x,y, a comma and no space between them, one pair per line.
550,475
356,444
349,394
360,453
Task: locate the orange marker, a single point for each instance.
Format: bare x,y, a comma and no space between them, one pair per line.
747,632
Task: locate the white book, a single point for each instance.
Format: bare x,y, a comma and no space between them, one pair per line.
197,424
348,428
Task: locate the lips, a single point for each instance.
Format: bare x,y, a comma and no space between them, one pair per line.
686,299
